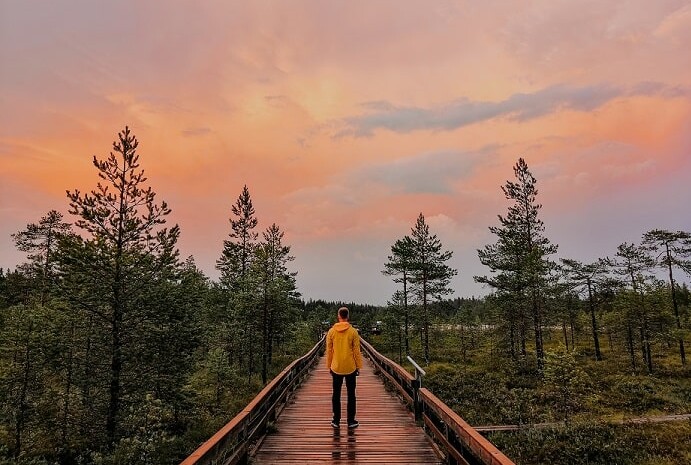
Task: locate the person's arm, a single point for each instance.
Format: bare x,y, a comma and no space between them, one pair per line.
329,350
356,351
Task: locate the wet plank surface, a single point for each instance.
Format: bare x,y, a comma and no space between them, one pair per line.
387,432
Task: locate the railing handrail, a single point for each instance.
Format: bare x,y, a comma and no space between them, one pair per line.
229,445
458,432
454,435
399,377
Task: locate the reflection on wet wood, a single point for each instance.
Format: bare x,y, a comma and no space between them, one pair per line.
387,432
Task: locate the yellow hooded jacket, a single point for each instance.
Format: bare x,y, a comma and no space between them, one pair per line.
343,349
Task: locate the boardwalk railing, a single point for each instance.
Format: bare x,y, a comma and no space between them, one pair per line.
460,443
230,445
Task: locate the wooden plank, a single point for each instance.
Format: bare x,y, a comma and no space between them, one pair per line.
387,432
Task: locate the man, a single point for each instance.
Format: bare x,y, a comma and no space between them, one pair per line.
344,361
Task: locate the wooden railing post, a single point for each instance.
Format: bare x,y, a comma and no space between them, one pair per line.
448,432
417,384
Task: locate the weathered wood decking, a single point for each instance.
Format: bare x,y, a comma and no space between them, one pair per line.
387,432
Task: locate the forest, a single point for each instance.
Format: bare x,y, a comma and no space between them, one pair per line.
114,349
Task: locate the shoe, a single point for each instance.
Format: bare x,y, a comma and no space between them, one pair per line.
353,424
335,425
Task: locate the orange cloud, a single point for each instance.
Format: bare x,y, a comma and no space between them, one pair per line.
594,96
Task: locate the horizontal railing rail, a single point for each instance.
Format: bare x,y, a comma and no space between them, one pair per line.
230,445
458,441
398,377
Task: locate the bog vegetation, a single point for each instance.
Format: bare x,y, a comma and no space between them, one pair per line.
116,350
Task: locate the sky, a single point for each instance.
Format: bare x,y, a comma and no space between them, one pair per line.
347,119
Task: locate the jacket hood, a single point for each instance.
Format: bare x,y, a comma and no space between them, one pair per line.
341,326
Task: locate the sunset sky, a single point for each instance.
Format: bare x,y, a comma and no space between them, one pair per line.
346,119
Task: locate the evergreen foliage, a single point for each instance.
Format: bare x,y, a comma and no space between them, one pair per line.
674,251
113,350
418,261
589,277
131,260
400,265
633,266
519,261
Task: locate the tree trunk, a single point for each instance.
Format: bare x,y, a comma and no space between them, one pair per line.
270,337
87,398
68,390
20,419
400,345
524,351
426,318
644,353
250,355
593,321
265,342
648,351
629,335
682,352
537,327
512,339
405,311
463,344
115,370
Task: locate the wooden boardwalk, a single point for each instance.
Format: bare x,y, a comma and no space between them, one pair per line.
387,432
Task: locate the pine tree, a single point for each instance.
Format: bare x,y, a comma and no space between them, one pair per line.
588,277
431,276
238,250
634,264
674,250
565,382
400,266
40,241
519,259
275,287
31,326
234,264
125,250
23,356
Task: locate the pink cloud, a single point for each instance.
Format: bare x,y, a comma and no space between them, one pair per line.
223,94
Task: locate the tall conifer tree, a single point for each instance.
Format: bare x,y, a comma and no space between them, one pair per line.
40,241
519,259
126,247
431,276
275,287
234,264
238,249
400,266
634,264
588,277
674,250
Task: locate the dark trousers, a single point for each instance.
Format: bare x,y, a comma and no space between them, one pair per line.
336,397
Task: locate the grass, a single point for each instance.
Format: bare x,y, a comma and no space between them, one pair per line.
484,386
